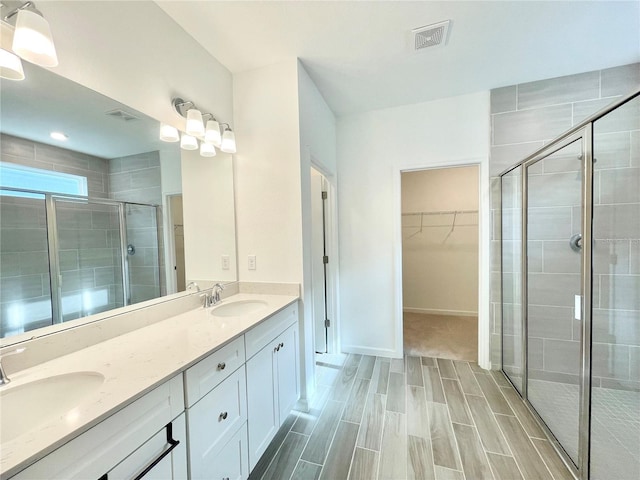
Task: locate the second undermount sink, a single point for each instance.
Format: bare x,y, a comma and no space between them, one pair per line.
237,308
27,406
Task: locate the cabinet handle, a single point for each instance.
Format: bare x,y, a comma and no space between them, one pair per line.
223,416
222,366
171,444
281,345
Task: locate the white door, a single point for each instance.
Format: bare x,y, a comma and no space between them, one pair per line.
288,392
317,264
262,401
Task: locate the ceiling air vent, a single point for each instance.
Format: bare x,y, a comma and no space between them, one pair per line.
430,36
122,115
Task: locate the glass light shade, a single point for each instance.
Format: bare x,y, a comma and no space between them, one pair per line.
10,66
195,127
207,150
169,133
212,133
187,142
32,39
228,142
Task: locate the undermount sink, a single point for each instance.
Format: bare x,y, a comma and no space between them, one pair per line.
240,307
25,407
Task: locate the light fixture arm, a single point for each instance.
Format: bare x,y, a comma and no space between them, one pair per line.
30,5
228,127
179,105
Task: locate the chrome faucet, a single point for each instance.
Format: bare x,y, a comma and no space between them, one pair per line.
194,285
3,376
213,298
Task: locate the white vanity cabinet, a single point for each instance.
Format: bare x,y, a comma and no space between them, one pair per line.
272,378
146,439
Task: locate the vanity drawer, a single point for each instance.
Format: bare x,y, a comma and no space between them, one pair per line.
209,372
260,335
215,419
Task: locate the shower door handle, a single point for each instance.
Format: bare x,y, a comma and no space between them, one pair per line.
575,242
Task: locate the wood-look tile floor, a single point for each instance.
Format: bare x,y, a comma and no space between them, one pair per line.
417,418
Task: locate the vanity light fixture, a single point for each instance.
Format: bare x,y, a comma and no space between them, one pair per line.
195,126
169,133
212,132
228,140
32,38
188,142
209,137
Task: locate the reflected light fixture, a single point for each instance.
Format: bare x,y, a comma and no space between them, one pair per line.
32,39
228,140
169,133
196,134
10,63
188,142
207,150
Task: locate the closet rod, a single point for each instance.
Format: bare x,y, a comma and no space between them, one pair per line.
441,212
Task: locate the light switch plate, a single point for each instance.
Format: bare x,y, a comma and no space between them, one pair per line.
225,262
252,262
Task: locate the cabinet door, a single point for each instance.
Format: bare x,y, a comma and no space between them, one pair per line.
213,420
172,465
288,385
262,401
232,463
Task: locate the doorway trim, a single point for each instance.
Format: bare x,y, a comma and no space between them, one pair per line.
333,340
484,243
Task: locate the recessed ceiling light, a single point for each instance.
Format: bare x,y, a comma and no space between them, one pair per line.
59,136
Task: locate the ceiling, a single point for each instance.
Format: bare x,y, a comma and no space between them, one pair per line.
45,101
357,54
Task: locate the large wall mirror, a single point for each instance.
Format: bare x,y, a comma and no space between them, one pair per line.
96,213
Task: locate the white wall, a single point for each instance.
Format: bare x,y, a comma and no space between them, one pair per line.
136,54
209,220
268,206
440,260
372,149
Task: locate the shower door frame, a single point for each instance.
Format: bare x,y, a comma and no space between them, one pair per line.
583,130
583,134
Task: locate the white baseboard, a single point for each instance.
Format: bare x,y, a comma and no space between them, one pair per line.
374,352
435,311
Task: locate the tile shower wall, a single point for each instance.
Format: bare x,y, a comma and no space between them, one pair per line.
524,118
24,301
136,178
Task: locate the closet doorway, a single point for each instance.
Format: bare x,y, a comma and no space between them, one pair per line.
440,262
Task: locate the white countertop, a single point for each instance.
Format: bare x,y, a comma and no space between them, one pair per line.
132,364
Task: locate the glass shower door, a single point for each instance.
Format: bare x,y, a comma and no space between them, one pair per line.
89,259
615,372
143,252
554,290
